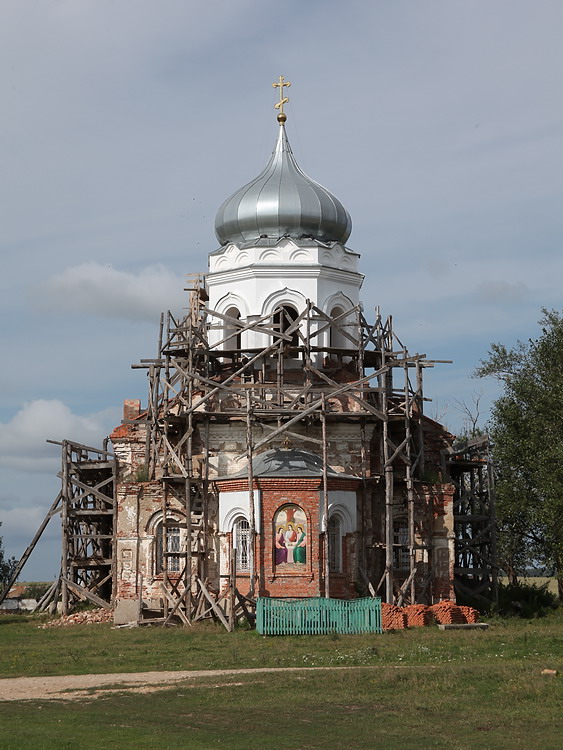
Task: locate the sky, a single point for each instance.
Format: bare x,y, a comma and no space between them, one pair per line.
126,123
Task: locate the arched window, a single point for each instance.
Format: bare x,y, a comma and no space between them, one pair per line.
337,339
401,544
284,316
231,332
241,541
335,544
168,555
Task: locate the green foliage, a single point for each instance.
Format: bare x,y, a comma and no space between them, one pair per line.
525,600
527,433
36,590
142,474
7,566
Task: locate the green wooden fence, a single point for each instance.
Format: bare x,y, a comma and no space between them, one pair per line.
317,616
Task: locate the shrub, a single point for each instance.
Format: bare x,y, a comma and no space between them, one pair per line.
525,600
142,473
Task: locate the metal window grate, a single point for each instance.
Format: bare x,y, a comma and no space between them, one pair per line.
242,537
334,545
173,548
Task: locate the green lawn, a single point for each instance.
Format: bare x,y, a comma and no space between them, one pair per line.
413,689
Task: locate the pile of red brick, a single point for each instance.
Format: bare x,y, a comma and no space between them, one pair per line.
471,615
419,615
81,618
448,613
392,617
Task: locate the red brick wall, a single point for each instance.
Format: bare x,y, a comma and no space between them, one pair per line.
306,493
131,408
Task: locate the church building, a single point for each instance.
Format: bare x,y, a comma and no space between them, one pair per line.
283,450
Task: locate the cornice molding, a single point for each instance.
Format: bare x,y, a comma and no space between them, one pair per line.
285,271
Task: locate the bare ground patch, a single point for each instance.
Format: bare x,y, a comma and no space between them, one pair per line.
88,686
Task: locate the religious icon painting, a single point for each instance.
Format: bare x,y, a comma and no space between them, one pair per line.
290,537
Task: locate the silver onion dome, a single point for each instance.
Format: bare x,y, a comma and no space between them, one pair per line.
282,201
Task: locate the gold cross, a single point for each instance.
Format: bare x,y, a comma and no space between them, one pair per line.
283,99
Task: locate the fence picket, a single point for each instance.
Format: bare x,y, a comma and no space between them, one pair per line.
317,615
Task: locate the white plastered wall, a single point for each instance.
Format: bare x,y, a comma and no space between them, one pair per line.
257,280
235,504
344,504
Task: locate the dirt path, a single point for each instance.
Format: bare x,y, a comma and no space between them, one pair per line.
72,687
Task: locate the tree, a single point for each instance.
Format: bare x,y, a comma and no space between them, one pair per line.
7,566
471,414
527,435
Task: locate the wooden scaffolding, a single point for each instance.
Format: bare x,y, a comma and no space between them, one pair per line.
86,506
314,372
295,387
87,514
469,468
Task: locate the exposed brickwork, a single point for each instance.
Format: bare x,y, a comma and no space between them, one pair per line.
131,408
306,493
139,503
436,438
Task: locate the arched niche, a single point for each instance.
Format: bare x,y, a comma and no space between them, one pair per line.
337,338
291,539
233,306
335,526
338,307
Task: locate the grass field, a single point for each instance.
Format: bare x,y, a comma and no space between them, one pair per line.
534,581
407,689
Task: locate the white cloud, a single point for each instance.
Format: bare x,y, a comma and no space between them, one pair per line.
500,292
22,521
23,439
21,513
96,289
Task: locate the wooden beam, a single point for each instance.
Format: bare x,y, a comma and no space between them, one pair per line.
86,594
31,546
213,604
175,603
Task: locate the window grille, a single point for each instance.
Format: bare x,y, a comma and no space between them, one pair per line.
334,545
173,545
242,538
